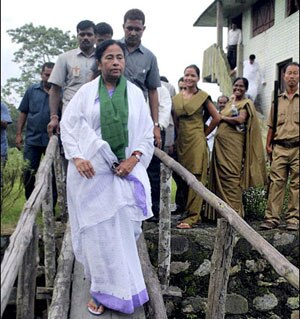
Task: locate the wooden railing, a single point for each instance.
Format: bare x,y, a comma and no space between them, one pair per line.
216,69
223,249
22,250
21,255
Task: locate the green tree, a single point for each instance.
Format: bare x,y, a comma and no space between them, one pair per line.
37,46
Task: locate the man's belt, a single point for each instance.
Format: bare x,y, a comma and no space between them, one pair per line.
287,143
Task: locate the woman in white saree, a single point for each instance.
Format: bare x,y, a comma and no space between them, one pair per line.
107,135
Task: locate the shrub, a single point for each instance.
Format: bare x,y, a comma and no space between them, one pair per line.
12,178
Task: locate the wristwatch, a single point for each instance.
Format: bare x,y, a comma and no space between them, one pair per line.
156,124
136,155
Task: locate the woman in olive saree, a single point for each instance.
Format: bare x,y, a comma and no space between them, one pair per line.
238,160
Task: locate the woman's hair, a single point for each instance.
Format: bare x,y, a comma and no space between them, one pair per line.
193,66
101,47
245,81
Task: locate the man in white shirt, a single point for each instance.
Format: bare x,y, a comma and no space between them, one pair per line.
252,72
153,170
234,38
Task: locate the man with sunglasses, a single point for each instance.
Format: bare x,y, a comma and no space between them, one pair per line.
71,71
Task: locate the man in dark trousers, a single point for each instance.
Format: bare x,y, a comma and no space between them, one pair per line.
34,109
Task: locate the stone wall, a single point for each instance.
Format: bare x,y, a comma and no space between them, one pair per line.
255,290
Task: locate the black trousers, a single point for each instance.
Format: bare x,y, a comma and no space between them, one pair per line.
33,155
153,171
231,56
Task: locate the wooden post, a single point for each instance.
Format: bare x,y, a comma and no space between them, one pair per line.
49,234
220,23
164,242
281,265
220,268
21,237
27,279
239,60
60,304
157,308
60,177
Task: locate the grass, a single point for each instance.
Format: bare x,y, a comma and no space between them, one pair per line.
12,208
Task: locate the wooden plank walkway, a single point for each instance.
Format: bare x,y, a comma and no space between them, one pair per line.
81,295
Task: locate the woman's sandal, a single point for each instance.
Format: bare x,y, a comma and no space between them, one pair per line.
184,226
95,308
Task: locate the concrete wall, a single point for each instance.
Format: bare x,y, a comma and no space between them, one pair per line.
278,43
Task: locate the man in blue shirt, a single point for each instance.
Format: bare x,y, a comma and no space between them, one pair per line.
5,120
34,109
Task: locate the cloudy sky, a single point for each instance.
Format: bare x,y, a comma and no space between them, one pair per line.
169,33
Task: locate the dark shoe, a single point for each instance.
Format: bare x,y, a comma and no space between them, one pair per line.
153,219
267,224
291,226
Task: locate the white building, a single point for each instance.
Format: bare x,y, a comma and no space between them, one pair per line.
270,30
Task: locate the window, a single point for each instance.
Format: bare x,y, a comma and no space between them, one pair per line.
292,6
262,16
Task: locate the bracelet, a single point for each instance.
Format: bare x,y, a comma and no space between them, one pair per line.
54,115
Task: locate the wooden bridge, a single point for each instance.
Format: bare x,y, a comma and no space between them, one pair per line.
67,291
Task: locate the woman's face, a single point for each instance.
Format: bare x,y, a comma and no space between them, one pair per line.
239,89
112,63
191,78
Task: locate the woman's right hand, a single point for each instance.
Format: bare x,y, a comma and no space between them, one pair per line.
84,167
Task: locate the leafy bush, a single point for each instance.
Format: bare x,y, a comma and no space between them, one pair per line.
12,179
255,201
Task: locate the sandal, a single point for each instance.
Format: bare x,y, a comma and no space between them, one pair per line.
184,226
95,308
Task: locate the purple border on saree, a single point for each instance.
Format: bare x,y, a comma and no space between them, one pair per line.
121,305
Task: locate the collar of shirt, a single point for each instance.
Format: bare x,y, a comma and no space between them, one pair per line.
80,52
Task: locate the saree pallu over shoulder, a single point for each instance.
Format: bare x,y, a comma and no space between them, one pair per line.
191,142
189,107
255,173
238,160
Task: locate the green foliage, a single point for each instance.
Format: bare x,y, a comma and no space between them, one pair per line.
254,201
12,177
12,128
37,46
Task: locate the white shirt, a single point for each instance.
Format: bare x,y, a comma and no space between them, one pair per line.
234,37
165,105
253,74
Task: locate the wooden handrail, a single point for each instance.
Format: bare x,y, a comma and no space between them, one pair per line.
21,237
281,265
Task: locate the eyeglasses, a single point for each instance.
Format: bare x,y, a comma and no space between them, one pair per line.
182,88
136,29
88,34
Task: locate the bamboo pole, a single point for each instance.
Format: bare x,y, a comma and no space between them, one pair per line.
220,269
157,308
25,300
60,304
164,241
49,234
60,178
22,235
281,265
